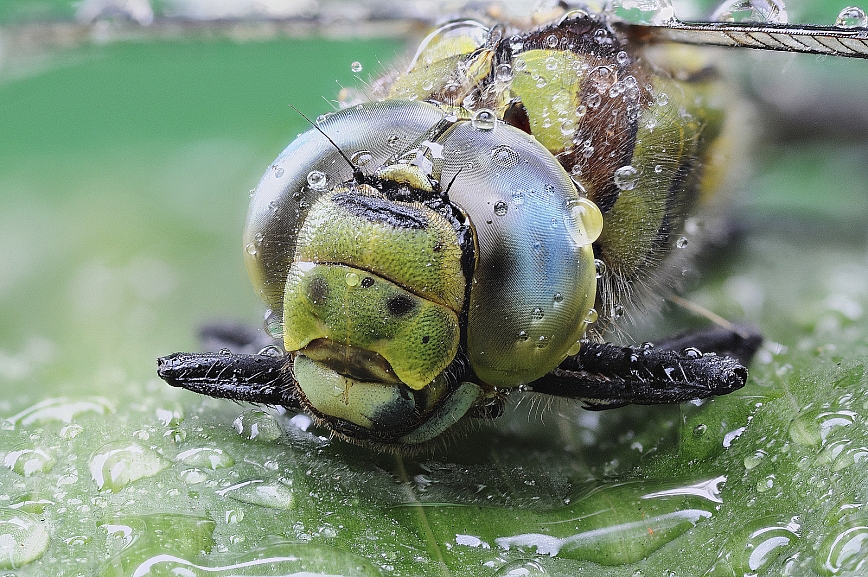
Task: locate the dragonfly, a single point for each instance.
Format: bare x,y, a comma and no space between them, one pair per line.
477,225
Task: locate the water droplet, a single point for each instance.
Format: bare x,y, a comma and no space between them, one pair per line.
681,242
274,495
352,279
503,73
731,436
356,66
271,351
699,430
753,548
851,455
617,311
626,177
471,541
206,458
250,249
584,221
622,513
812,427
70,431
361,158
134,537
601,78
523,336
662,99
27,462
522,568
765,484
500,208
193,476
23,538
656,12
551,42
852,17
600,267
29,502
751,461
591,316
77,540
317,180
537,314
601,36
270,556
258,425
768,11
558,297
60,409
845,549
484,119
542,342
393,140
274,323
117,464
505,156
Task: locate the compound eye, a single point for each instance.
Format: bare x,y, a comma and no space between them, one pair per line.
536,281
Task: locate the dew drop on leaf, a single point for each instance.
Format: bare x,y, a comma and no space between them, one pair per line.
116,465
258,425
23,538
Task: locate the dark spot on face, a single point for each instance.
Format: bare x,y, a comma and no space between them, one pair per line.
367,282
318,290
425,339
399,305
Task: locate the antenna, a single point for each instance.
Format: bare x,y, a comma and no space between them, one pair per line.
451,182
358,176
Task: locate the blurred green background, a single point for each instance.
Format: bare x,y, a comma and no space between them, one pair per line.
125,164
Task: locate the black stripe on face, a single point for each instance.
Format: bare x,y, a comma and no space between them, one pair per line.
381,210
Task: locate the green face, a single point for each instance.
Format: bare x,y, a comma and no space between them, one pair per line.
371,309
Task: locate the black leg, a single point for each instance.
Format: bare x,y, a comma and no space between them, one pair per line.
254,378
605,376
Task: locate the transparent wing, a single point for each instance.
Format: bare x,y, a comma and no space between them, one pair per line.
851,42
